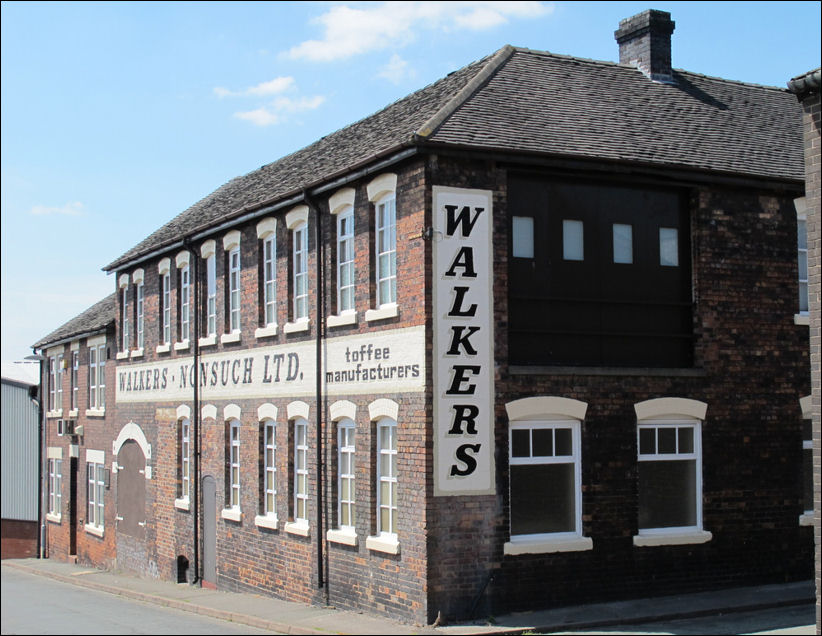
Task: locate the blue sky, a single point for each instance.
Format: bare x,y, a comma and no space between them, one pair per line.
118,116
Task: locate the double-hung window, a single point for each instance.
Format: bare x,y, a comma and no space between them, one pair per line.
669,481
802,261
386,250
234,290
97,377
52,383
125,320
211,295
345,260
233,495
185,304
545,473
301,471
55,486
387,477
96,484
75,371
270,279
185,458
140,320
300,265
807,463
346,453
60,363
269,485
166,308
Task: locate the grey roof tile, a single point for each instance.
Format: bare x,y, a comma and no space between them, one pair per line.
523,101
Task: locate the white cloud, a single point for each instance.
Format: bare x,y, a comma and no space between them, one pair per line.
74,208
396,70
271,87
276,111
349,31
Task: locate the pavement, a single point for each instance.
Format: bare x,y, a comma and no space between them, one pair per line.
264,612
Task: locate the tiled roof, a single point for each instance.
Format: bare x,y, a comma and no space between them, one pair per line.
95,318
522,101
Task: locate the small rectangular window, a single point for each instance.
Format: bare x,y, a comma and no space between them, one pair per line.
75,372
301,470
669,247
386,229
94,495
807,466
52,383
140,316
623,243
185,454
55,486
269,488
522,230
387,476
573,244
234,465
185,304
270,280
60,373
166,309
125,326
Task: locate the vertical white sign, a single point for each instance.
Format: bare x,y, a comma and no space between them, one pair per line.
463,364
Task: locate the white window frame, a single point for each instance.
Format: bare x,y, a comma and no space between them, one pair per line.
269,485
55,486
95,493
211,294
59,388
166,308
681,534
75,380
185,303
234,465
385,247
300,260
234,272
269,254
391,479
301,471
125,322
140,317
574,459
52,383
97,377
802,255
185,459
346,448
345,260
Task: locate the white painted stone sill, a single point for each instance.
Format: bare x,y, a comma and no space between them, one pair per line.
806,519
387,544
54,518
95,412
182,504
74,412
232,514
208,341
383,313
266,521
802,319
163,348
547,546
122,355
229,338
298,326
266,332
345,536
137,353
341,320
97,532
674,538
181,346
300,528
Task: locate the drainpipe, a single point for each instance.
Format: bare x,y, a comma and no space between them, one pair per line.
42,462
319,390
195,275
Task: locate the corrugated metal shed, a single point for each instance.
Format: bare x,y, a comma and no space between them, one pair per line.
19,452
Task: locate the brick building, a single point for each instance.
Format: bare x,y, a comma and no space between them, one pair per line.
528,336
806,88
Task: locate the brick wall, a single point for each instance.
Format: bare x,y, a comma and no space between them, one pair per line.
751,369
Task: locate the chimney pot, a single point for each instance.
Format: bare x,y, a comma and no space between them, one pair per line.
645,42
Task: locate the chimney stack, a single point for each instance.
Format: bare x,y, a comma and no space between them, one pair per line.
645,42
